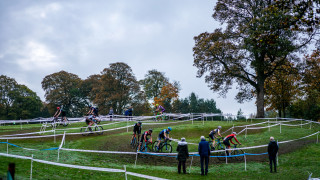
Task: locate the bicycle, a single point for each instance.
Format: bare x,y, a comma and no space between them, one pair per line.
235,152
163,146
86,130
134,142
219,146
56,122
146,147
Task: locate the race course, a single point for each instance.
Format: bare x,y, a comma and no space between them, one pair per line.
66,154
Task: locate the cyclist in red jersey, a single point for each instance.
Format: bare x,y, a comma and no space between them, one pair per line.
229,138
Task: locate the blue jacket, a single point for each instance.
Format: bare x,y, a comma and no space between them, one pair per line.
204,148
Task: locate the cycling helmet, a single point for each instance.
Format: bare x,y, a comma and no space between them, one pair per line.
157,104
150,130
169,128
139,122
235,133
90,106
219,127
58,108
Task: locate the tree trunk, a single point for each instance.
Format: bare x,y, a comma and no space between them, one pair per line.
260,98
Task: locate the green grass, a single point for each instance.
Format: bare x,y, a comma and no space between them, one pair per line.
293,165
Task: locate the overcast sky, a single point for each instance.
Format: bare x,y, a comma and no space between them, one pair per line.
38,38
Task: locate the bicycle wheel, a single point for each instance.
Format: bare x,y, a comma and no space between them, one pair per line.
221,155
155,147
166,148
66,123
133,143
238,152
99,130
84,131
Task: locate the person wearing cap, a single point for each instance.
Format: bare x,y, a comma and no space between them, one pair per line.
213,135
204,152
272,151
183,154
136,130
229,138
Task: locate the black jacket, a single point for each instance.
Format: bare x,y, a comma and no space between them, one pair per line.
182,150
204,149
273,148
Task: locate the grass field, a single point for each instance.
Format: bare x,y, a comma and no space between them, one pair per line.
296,159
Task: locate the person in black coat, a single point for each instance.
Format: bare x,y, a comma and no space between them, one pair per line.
204,152
183,154
272,151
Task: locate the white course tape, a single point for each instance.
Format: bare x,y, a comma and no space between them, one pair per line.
81,167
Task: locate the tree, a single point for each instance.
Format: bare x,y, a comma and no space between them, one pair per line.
17,101
62,88
282,88
260,36
169,93
117,87
153,83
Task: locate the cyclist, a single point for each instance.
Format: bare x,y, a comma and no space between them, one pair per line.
213,134
93,113
229,138
164,134
62,112
144,138
159,110
136,130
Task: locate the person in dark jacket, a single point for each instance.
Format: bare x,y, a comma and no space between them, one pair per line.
272,151
204,152
183,154
111,113
130,113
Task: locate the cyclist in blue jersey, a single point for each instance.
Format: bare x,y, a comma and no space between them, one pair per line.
213,134
164,134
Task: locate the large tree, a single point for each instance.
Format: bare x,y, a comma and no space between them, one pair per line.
282,88
63,88
117,88
260,35
153,83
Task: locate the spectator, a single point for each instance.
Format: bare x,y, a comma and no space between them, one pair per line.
183,154
130,113
204,152
111,113
11,171
272,151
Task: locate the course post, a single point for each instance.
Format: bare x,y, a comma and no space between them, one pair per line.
54,137
226,156
190,164
20,124
310,124
125,171
135,163
301,123
269,124
280,127
318,137
246,132
245,161
202,119
31,167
